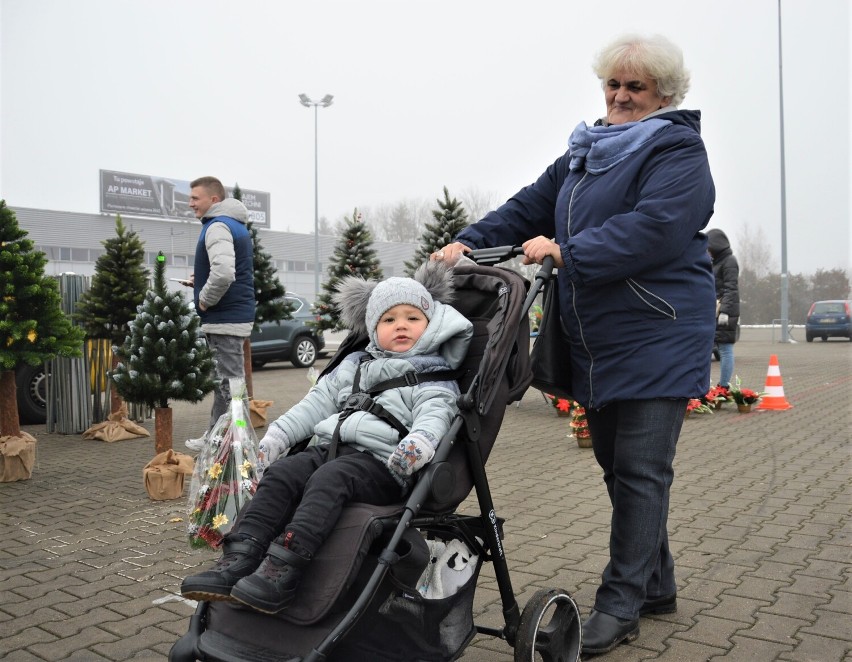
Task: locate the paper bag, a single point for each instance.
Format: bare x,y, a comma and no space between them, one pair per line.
17,457
257,412
164,475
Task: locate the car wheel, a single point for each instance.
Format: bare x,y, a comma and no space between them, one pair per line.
304,352
257,365
809,337
824,338
31,383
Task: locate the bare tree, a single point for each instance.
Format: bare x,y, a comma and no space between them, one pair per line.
478,203
753,251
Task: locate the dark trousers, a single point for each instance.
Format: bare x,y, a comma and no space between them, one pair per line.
634,442
304,494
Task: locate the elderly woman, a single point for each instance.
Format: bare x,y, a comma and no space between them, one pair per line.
621,212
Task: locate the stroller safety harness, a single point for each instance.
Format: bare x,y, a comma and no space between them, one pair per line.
360,400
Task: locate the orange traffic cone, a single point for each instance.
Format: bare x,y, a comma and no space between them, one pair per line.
774,398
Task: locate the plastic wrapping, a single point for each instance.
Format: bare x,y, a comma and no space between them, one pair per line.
225,476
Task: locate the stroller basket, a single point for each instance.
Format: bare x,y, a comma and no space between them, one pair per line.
362,601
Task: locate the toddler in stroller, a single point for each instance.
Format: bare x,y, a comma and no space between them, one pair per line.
369,609
378,417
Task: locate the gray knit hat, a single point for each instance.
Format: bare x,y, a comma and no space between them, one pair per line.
394,292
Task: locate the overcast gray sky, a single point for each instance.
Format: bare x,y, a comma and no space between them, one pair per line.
471,94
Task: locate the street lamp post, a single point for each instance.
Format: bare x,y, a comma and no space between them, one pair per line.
325,102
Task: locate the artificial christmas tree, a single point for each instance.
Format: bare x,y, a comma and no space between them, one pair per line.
450,219
164,358
353,256
270,304
33,328
106,308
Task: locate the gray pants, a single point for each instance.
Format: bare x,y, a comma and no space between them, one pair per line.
229,363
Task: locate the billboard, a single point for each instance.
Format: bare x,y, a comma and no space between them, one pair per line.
165,197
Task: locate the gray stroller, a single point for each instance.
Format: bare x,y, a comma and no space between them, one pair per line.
360,599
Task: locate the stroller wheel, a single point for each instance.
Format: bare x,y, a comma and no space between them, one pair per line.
549,629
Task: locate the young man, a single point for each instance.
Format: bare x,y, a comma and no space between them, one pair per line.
223,286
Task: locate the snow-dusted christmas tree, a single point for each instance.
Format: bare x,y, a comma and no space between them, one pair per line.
165,357
450,219
354,255
33,328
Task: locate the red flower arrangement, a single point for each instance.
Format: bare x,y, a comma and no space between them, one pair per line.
697,406
717,395
560,404
744,396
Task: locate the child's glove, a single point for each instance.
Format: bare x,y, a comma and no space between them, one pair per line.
274,444
412,454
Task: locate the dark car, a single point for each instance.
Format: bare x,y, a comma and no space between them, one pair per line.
828,319
31,393
289,340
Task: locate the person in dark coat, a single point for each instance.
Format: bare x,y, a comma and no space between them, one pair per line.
726,272
622,214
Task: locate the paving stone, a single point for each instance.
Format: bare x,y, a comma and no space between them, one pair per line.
818,649
760,527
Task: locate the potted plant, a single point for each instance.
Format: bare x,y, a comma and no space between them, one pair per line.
744,397
717,396
698,406
561,405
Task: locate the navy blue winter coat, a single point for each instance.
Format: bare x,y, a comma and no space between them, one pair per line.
637,292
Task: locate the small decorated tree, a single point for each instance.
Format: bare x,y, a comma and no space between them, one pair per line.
33,328
354,255
118,288
580,426
450,219
164,358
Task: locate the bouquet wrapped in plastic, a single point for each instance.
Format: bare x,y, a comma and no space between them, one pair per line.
225,476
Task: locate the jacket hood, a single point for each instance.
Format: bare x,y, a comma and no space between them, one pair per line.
688,118
229,207
717,242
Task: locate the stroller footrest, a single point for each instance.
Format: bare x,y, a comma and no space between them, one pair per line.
219,647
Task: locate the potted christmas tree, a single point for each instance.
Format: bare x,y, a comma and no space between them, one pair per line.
33,329
165,357
106,308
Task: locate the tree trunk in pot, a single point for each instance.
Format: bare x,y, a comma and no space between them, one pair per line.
10,424
115,401
162,429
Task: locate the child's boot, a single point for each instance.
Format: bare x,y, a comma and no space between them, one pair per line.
239,559
272,586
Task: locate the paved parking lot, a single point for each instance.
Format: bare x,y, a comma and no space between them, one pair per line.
90,568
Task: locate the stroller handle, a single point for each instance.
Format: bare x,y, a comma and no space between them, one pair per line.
492,256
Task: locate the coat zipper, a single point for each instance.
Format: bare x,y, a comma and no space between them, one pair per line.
574,298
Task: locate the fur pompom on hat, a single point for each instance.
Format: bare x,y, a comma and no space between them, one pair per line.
362,302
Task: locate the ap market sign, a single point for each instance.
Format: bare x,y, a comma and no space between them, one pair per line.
164,197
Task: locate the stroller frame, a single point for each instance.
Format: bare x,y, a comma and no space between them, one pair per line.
549,625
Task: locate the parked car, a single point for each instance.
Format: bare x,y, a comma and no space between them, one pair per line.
829,319
31,394
289,340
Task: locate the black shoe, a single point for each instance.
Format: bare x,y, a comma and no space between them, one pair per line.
602,632
665,604
273,585
239,559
